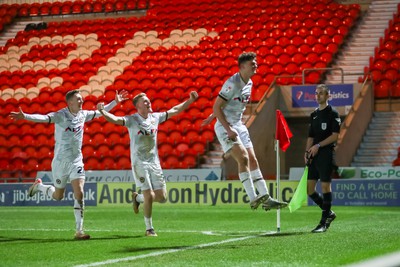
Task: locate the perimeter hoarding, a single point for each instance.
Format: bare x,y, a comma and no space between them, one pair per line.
17,195
361,192
347,192
199,193
356,173
303,96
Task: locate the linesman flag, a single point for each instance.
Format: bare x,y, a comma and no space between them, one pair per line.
300,195
283,133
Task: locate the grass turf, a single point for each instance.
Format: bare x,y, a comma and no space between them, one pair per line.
190,235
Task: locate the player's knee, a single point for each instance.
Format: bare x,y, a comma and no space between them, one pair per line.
244,160
161,198
57,197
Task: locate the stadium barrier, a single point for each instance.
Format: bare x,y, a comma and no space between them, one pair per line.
346,192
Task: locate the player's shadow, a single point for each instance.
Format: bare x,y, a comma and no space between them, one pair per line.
143,249
283,234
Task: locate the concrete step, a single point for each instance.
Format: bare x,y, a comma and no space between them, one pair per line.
370,158
209,166
379,139
382,132
377,152
383,124
392,114
216,153
390,145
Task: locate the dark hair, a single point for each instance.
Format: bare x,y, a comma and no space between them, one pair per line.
70,94
137,97
246,56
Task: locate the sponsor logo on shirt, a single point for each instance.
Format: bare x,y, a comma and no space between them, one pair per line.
74,130
242,99
144,132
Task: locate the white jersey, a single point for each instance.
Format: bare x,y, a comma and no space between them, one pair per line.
143,137
237,94
69,133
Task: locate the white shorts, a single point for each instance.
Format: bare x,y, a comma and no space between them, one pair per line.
64,171
149,176
226,143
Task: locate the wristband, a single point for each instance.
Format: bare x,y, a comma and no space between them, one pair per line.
318,145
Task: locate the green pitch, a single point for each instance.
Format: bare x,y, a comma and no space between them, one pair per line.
190,235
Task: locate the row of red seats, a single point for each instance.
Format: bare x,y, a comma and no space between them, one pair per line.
77,7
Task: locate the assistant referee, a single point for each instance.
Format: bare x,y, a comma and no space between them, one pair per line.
320,155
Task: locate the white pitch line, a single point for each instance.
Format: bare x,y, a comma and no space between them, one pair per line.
154,254
389,260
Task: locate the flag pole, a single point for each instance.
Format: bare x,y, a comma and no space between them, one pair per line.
278,177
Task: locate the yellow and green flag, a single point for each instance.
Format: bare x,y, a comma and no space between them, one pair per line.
300,195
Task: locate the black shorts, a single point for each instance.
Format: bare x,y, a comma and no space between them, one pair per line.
322,165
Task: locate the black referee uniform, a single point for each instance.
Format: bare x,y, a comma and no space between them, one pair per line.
322,124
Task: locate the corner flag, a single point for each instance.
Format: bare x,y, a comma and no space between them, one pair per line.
300,195
283,133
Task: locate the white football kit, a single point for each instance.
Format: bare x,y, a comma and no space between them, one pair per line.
145,162
237,94
67,162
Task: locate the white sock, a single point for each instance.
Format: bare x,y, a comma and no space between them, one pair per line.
48,190
148,222
140,198
259,182
78,212
248,185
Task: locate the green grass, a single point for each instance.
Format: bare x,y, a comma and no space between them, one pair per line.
190,235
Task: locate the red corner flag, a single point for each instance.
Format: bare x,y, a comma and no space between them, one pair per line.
283,133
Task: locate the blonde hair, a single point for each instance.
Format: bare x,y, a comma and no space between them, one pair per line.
137,97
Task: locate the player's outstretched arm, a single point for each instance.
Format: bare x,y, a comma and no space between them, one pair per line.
30,117
208,120
110,117
184,105
122,96
119,97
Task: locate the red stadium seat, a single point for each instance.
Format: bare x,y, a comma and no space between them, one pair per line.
92,163
199,148
123,163
108,163
44,9
23,10
172,162
34,9
66,7
77,7
165,149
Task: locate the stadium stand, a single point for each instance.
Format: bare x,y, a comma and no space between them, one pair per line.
177,46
